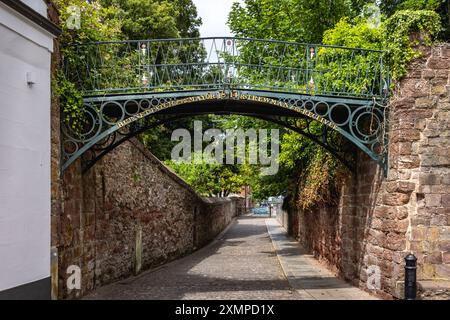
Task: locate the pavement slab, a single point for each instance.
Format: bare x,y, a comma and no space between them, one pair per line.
305,274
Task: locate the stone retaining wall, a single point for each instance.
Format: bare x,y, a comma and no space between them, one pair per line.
380,219
129,213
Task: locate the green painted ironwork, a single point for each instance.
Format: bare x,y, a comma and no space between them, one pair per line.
129,86
211,63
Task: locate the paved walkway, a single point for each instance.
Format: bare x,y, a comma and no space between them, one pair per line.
311,280
241,264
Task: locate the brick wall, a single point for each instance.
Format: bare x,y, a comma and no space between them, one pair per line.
129,213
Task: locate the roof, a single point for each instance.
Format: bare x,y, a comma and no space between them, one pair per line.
32,15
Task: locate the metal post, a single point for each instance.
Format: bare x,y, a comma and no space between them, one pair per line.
410,277
54,272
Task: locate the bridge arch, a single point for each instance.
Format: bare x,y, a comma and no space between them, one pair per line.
127,84
113,120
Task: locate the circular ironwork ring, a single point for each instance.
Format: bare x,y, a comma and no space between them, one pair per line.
121,108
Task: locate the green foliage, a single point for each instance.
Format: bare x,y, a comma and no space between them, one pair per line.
158,139
319,184
71,101
136,177
345,69
96,25
145,19
295,150
349,23
302,21
98,22
187,19
211,179
291,20
355,34
389,7
441,7
405,29
397,36
109,20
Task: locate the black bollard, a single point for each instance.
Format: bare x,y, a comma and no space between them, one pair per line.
410,277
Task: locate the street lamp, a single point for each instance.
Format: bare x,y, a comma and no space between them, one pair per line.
312,52
144,80
143,49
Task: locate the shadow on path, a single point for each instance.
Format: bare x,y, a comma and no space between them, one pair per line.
241,263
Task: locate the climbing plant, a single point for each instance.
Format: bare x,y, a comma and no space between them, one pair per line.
320,182
109,20
70,99
81,21
403,31
348,23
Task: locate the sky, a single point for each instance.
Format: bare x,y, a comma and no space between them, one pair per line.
214,14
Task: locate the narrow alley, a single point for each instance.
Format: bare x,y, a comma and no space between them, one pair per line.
252,259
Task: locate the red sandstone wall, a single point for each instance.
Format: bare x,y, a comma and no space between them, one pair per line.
127,191
319,232
329,233
379,220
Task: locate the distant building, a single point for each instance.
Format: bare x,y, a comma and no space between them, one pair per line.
246,193
25,55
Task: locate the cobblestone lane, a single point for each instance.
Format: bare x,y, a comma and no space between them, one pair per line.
241,264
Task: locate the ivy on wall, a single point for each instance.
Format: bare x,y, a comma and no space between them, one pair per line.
320,183
403,31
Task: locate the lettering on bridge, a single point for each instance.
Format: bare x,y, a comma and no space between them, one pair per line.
222,95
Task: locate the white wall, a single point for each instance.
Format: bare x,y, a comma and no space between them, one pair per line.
37,5
24,151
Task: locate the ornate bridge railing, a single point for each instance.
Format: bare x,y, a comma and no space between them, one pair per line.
130,86
214,63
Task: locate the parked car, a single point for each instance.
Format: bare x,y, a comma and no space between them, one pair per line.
261,210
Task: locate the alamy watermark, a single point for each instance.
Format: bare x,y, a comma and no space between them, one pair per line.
228,147
73,22
74,279
373,277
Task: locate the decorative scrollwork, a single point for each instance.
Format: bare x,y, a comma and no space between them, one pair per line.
112,120
124,82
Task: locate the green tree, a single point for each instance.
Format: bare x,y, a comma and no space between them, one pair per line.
291,20
441,7
393,35
211,179
302,21
97,22
156,19
389,7
187,19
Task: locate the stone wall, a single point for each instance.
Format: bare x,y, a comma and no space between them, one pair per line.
380,219
281,215
128,213
55,157
424,160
